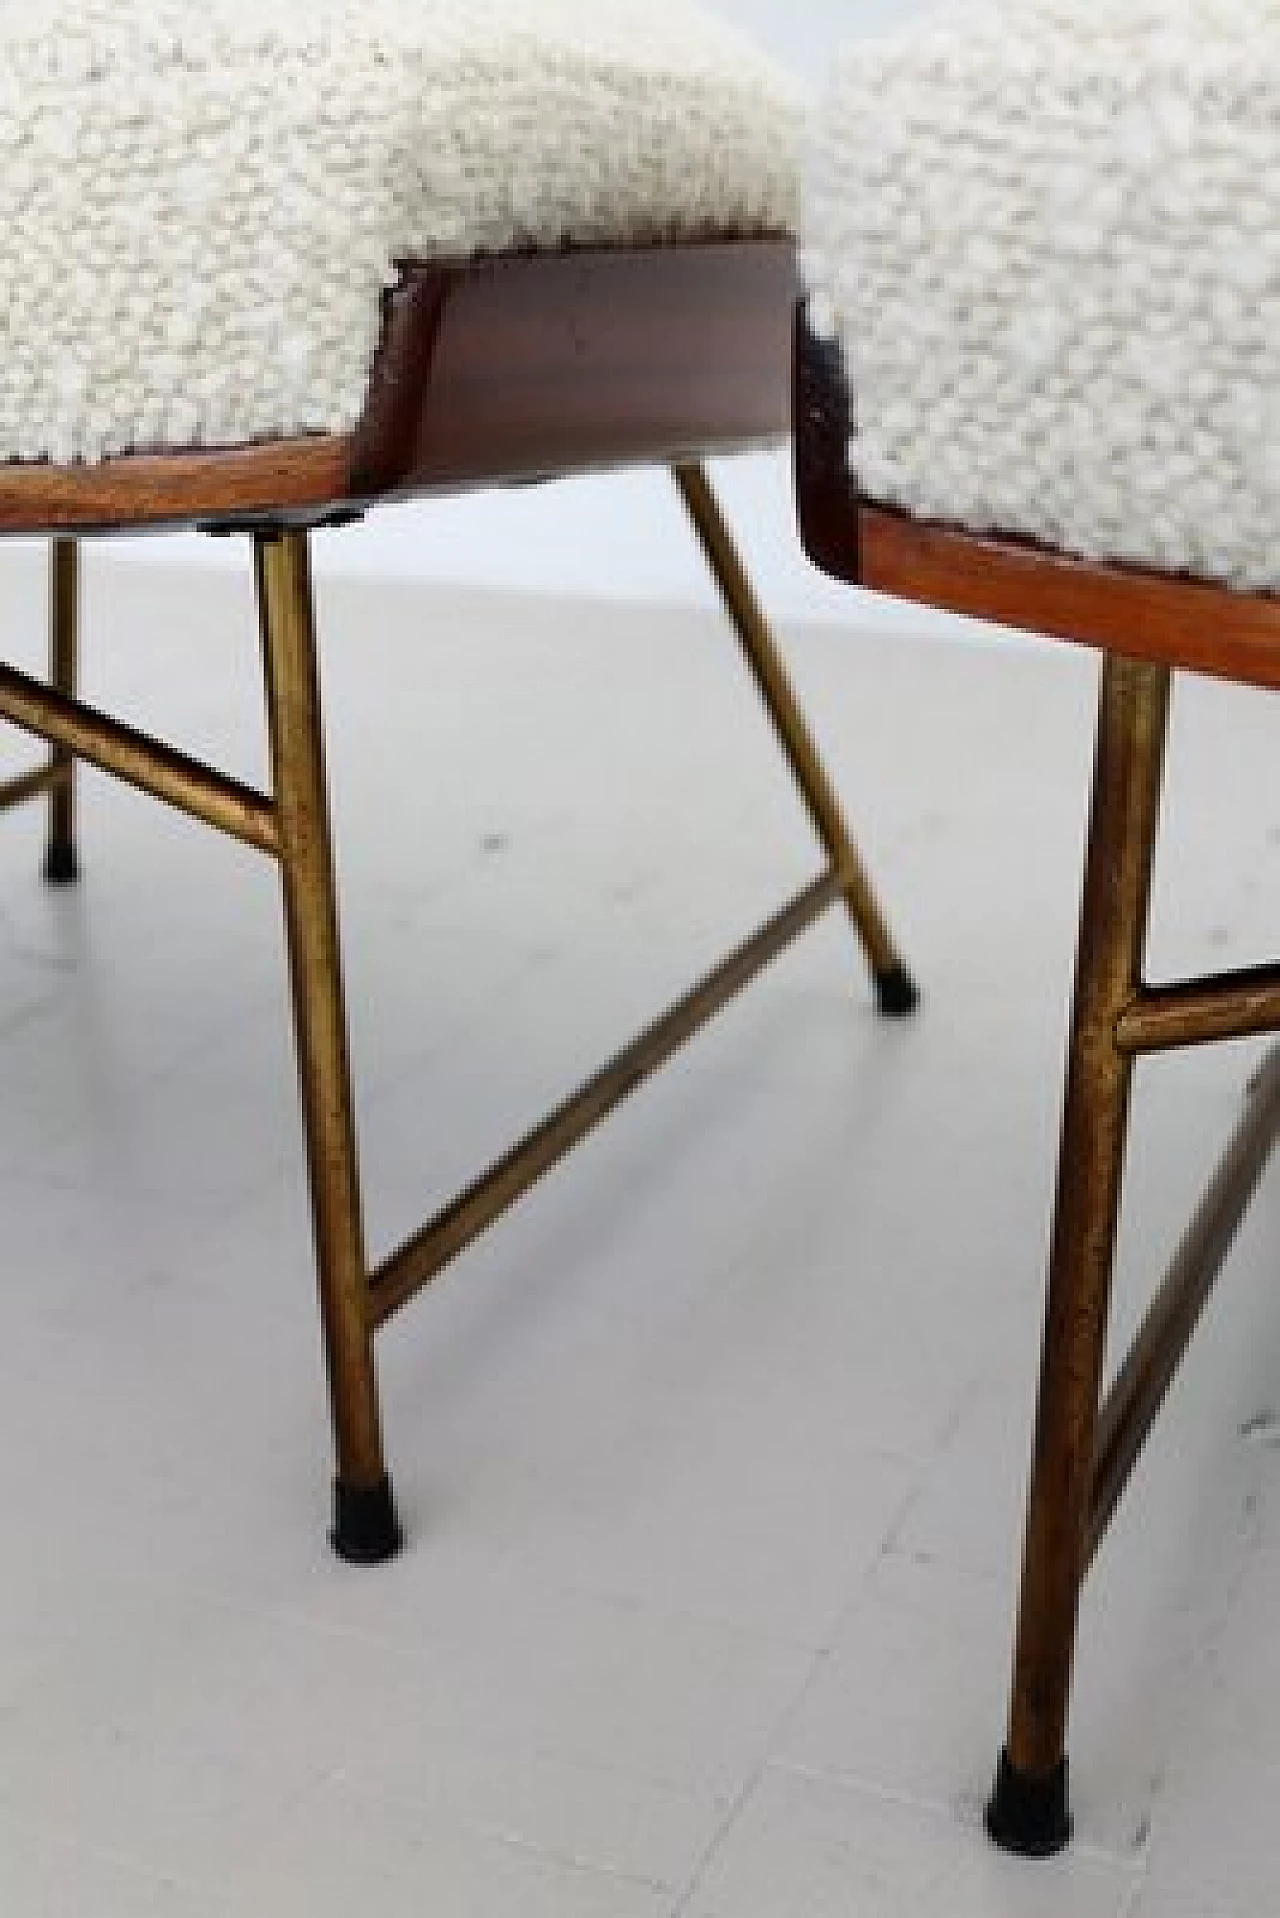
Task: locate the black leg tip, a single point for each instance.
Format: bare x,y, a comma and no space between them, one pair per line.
366,1530
897,993
1029,1815
61,866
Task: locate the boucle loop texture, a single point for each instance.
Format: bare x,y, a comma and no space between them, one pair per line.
1047,236
202,202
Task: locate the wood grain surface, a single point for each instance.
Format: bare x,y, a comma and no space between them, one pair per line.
491,371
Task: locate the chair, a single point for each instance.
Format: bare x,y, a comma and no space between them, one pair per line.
1042,273
270,264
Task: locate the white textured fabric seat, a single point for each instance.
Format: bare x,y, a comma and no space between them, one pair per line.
202,201
1047,234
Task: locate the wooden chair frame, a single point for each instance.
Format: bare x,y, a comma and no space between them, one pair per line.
1147,624
503,370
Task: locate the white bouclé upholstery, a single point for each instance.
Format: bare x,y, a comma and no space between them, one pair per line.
202,201
1047,234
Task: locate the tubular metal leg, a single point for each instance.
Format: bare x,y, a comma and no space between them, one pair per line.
61,862
1029,1809
365,1529
895,989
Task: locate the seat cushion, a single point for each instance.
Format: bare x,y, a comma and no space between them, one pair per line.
203,201
1047,234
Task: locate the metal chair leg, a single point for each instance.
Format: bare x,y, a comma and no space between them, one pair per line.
896,991
1029,1810
61,862
365,1530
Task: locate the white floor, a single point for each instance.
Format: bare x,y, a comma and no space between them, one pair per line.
712,1458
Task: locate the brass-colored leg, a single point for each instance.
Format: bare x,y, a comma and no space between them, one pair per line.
896,991
365,1529
1029,1811
61,864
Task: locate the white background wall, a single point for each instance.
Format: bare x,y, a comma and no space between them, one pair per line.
621,535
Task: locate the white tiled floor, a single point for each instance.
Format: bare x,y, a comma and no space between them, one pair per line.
712,1457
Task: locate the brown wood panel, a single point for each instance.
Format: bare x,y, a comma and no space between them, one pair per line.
154,489
490,371
1171,618
524,367
1179,621
824,487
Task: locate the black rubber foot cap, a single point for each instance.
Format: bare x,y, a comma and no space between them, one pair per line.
1029,1815
366,1530
61,867
897,993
